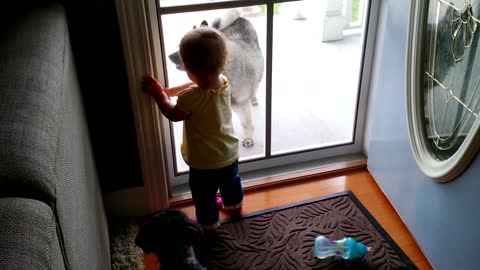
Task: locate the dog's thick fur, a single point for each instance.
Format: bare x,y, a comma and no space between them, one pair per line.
245,70
170,235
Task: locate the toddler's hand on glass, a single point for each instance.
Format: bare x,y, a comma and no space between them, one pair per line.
151,86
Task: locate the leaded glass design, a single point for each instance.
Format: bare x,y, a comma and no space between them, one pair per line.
451,94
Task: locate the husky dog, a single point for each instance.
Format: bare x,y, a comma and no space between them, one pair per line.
245,70
170,235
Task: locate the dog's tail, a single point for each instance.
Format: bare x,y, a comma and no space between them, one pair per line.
227,19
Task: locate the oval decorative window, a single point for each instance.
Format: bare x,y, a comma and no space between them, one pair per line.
443,92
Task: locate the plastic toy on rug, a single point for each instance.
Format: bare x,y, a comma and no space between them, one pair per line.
346,248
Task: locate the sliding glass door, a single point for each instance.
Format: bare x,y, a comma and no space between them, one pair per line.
298,74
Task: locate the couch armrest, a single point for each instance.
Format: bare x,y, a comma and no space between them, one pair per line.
28,235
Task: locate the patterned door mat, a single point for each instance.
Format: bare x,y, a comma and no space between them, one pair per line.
283,238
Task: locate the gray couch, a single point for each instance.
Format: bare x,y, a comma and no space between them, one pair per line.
51,209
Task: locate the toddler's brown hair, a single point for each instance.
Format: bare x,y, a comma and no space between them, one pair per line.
204,51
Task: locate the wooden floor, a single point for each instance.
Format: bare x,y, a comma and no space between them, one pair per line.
360,182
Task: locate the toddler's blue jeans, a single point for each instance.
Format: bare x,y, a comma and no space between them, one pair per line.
204,184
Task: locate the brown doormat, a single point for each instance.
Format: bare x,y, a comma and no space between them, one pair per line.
283,238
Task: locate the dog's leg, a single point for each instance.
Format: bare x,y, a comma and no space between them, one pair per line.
244,112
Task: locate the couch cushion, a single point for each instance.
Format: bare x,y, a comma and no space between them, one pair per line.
31,72
28,235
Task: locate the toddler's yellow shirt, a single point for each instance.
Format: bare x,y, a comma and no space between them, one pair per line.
209,141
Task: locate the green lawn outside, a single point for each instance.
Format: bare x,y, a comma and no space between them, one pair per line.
355,9
275,9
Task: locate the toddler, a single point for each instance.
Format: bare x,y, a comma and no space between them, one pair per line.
209,145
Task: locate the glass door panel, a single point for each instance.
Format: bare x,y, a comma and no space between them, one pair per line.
315,84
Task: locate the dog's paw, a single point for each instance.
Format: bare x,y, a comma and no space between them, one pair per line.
247,142
254,101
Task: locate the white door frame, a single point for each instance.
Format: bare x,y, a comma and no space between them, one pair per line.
139,29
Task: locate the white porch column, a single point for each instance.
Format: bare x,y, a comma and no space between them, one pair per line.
325,15
332,20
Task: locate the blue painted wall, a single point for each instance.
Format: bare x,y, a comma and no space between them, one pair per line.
443,218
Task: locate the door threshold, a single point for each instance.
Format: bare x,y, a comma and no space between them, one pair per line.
288,174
